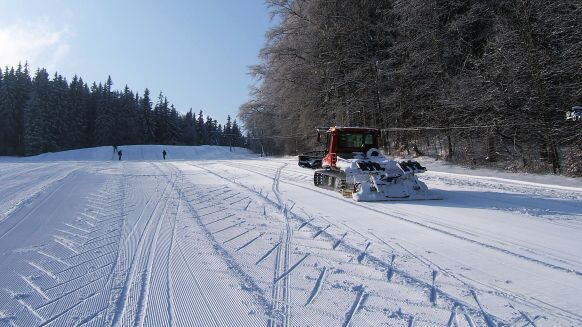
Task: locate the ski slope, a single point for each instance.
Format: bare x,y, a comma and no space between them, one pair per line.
211,237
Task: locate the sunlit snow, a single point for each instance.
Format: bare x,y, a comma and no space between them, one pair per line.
214,236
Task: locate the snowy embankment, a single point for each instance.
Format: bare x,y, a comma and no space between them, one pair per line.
139,153
90,241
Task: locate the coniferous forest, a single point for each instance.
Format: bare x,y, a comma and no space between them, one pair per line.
474,82
47,114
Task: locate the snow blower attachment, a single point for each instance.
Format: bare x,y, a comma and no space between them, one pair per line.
353,166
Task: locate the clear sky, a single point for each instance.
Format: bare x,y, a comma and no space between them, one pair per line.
197,52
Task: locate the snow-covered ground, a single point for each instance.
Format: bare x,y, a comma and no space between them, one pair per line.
211,237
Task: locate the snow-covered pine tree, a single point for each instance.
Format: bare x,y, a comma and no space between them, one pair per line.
105,119
37,115
160,119
127,122
145,108
210,126
23,85
201,128
61,121
78,113
56,115
174,126
189,134
14,93
7,107
237,139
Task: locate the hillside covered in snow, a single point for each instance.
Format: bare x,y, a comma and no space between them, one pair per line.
214,237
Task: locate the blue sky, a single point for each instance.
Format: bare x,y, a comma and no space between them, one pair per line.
196,52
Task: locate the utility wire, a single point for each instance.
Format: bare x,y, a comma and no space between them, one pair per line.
278,137
393,129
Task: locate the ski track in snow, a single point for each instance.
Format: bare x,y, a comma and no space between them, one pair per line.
561,313
252,242
276,290
434,225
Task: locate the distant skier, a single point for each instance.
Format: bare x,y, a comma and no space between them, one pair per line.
164,153
114,148
119,154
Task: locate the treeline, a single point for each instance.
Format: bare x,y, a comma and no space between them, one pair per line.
44,114
481,82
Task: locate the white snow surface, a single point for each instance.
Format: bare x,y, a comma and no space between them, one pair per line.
213,237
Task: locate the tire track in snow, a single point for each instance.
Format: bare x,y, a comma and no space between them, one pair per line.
414,283
97,269
118,258
317,287
72,234
7,318
265,168
488,320
213,212
278,205
322,230
121,302
235,269
70,279
54,189
417,282
250,242
279,292
44,270
198,287
268,253
287,280
276,288
90,317
19,193
482,244
275,186
64,312
220,219
18,297
228,227
82,263
239,235
67,293
159,310
142,303
285,301
355,307
73,282
35,287
288,271
336,244
432,228
305,223
169,274
362,255
26,171
239,200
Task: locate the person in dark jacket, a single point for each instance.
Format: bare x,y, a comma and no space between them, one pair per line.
164,154
119,153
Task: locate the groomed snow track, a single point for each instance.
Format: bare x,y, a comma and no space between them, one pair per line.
252,242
